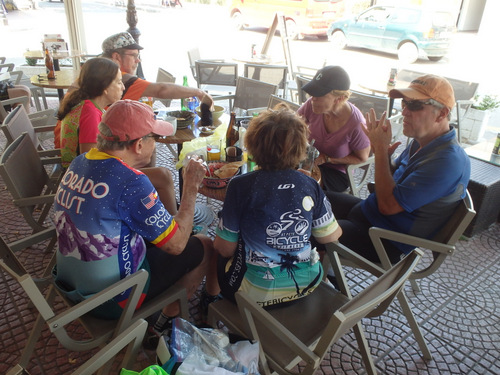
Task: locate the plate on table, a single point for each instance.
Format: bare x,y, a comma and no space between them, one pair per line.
184,118
207,130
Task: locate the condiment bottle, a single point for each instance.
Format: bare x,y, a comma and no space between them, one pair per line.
49,64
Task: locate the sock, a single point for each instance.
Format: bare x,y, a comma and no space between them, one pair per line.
162,322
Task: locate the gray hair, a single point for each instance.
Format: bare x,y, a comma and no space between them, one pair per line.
440,106
105,145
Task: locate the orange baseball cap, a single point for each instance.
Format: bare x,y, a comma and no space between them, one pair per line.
428,87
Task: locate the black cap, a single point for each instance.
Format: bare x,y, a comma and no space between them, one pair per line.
327,79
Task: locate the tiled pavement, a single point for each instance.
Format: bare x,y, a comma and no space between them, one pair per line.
458,310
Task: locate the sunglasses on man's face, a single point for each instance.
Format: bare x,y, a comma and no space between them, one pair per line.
414,105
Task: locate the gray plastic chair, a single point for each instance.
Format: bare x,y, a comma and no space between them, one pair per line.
441,246
18,122
58,318
193,56
164,76
32,189
217,78
249,93
274,74
275,99
301,94
305,330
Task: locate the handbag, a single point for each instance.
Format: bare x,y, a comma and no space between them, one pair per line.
4,86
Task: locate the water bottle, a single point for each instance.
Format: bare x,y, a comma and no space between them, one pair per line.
184,106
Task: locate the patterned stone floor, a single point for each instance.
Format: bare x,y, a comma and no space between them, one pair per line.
457,307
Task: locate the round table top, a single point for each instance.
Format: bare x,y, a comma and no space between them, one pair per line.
64,79
220,194
189,133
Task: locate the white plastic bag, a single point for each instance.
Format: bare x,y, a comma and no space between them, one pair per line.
207,350
198,146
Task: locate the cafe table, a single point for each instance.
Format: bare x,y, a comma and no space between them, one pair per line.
186,134
220,194
64,79
56,56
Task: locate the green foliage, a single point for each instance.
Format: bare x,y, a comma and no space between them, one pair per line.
30,61
486,102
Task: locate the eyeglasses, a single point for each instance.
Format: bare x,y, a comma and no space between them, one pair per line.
415,105
136,56
156,137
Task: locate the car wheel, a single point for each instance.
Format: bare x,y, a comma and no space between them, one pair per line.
408,53
338,40
237,21
435,58
292,30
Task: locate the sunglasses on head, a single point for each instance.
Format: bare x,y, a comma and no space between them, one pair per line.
414,105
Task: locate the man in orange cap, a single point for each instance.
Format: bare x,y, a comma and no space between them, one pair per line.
418,191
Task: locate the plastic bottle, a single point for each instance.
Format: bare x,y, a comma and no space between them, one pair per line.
49,64
184,106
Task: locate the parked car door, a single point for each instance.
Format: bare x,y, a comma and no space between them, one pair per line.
368,29
401,25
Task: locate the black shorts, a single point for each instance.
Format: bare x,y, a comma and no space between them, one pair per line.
166,269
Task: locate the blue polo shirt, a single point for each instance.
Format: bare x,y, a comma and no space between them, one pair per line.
430,184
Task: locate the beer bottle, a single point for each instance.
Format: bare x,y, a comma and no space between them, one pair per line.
49,64
496,147
184,106
231,133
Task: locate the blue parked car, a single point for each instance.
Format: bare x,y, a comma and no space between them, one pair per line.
408,31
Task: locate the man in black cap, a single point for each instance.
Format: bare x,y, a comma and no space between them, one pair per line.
124,50
336,126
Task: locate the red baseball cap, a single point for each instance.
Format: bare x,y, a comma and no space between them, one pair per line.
129,119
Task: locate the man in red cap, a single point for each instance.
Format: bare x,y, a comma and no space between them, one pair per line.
418,191
111,223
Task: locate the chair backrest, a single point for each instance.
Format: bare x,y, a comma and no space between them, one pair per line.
442,244
9,67
325,316
193,55
275,74
216,73
463,90
164,76
251,93
301,81
406,76
58,315
16,123
275,99
27,181
7,104
365,101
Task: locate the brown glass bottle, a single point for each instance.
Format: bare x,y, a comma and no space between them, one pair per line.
231,133
49,64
